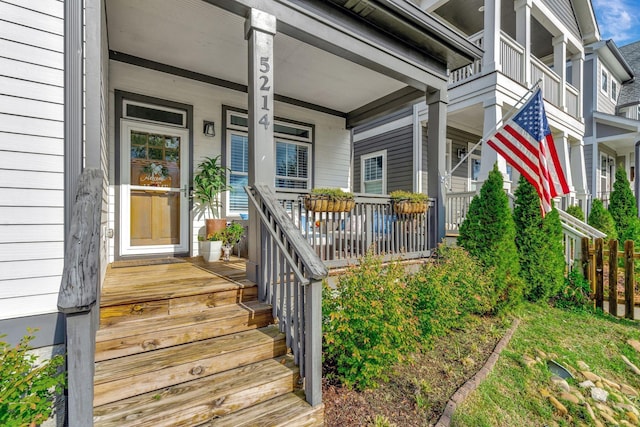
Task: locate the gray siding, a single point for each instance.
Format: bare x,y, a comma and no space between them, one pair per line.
461,139
588,93
399,146
31,156
588,161
563,10
399,114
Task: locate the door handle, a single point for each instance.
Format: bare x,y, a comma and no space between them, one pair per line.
185,190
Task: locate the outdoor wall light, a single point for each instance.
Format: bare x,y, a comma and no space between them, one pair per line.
461,152
209,128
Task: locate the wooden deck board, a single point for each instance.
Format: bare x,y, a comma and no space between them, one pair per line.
139,336
120,378
196,401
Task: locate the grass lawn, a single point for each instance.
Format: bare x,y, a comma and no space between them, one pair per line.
510,396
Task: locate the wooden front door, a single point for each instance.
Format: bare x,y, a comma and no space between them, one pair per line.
154,174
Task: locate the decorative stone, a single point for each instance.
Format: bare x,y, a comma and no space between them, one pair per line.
631,366
562,410
541,354
583,366
635,344
604,408
608,418
578,396
528,360
628,390
590,376
587,384
597,423
632,417
590,411
611,384
560,383
599,394
569,397
615,397
626,423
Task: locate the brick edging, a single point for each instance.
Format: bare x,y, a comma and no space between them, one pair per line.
472,383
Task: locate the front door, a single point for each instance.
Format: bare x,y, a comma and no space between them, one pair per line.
154,175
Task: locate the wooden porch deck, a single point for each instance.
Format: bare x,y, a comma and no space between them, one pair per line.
187,343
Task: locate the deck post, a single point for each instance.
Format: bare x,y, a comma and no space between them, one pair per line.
313,344
260,28
436,149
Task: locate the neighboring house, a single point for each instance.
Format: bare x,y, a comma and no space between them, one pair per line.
523,42
152,75
612,120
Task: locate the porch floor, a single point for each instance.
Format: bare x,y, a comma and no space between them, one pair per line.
186,343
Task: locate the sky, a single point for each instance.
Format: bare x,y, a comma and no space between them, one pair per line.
618,20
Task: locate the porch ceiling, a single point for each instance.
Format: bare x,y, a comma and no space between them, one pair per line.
196,36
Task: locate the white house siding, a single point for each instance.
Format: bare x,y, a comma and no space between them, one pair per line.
332,140
31,156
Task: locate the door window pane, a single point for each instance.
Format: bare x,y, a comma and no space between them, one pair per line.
155,159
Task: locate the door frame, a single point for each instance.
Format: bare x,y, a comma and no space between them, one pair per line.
119,97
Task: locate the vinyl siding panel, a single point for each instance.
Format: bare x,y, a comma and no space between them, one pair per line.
31,155
460,139
588,161
605,104
396,115
399,146
563,10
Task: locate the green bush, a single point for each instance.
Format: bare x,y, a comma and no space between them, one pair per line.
488,233
539,243
27,389
601,219
368,323
576,212
622,206
575,294
447,291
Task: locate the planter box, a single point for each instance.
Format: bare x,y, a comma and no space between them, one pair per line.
404,207
326,204
210,250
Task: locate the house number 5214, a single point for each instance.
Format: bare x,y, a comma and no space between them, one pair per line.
265,90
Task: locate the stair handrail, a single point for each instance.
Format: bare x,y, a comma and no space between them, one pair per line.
581,226
296,304
78,298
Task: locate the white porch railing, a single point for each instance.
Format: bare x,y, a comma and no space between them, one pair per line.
511,58
572,100
550,80
463,73
341,238
457,206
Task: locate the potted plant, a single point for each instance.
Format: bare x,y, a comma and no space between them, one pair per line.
209,183
406,202
329,200
230,236
210,247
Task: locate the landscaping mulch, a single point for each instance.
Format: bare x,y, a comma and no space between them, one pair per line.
417,392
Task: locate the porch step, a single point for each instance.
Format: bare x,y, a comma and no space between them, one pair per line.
197,401
124,377
288,410
141,335
136,298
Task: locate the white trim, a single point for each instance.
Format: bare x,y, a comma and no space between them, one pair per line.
417,150
381,153
126,127
387,127
183,113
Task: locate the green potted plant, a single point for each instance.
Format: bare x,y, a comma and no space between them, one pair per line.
406,202
210,247
329,200
209,182
230,236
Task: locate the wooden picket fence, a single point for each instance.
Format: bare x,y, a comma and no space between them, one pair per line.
593,262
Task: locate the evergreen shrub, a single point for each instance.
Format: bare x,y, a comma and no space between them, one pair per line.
622,206
601,219
448,290
576,212
368,323
488,234
539,243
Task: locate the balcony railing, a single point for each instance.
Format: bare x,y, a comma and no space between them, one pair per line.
340,238
513,65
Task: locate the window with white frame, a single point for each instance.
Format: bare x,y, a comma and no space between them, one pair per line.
614,90
373,172
292,157
604,83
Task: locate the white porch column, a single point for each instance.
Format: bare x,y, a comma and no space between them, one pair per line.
562,148
579,173
436,150
560,68
577,76
491,57
489,156
260,27
523,35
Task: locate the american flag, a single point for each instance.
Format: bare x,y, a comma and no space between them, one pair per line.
526,143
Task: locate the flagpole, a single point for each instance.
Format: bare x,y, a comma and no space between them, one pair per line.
492,131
